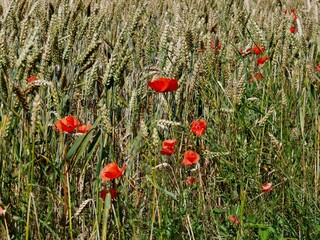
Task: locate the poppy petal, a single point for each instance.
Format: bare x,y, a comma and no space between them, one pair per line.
190,157
186,162
84,128
266,187
111,171
159,85
164,85
67,124
172,86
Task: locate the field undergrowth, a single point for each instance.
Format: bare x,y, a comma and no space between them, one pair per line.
248,70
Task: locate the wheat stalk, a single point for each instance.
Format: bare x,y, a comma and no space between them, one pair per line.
264,119
81,207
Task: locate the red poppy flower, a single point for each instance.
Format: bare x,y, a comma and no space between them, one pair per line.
2,211
168,147
233,219
262,60
191,180
67,124
164,85
214,47
190,157
294,17
111,171
31,79
256,76
293,29
318,67
257,49
199,128
113,193
84,128
266,187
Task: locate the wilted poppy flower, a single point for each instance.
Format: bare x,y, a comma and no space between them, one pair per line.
293,29
294,17
67,124
168,147
199,128
113,193
246,51
262,60
190,157
111,171
256,76
164,85
31,79
266,187
233,219
257,49
292,10
84,128
191,180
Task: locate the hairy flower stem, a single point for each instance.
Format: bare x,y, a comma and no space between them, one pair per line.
69,206
106,210
65,171
31,173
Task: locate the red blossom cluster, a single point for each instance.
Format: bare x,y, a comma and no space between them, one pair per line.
197,127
